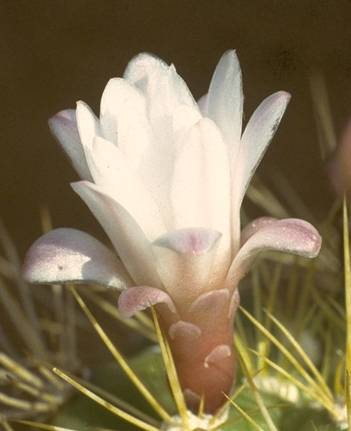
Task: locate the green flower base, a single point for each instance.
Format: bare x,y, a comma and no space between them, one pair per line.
83,414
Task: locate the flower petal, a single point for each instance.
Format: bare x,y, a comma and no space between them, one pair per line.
200,194
202,103
69,255
200,187
63,126
193,242
87,123
287,235
112,172
139,298
185,261
163,87
144,68
129,240
254,226
124,120
255,140
225,100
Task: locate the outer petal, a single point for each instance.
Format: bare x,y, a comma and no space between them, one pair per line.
112,172
255,140
287,235
254,226
139,298
185,262
225,100
69,255
126,235
124,120
63,126
202,103
88,124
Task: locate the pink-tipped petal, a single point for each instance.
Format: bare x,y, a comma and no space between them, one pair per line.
185,259
69,255
254,226
63,126
139,298
225,100
129,240
191,241
293,236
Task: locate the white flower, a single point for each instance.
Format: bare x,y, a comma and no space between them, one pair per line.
165,177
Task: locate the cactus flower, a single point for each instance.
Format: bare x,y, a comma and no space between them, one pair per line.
165,176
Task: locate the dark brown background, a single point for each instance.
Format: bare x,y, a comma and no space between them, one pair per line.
56,52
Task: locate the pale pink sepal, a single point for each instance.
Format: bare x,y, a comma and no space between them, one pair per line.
63,126
210,301
69,255
217,354
185,330
139,298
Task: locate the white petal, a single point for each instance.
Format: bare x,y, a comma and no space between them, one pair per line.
225,100
202,103
141,69
185,262
184,117
200,191
63,126
287,235
69,255
87,123
255,140
163,88
139,298
131,244
158,81
124,120
111,170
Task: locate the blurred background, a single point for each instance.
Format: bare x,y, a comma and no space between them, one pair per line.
56,52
